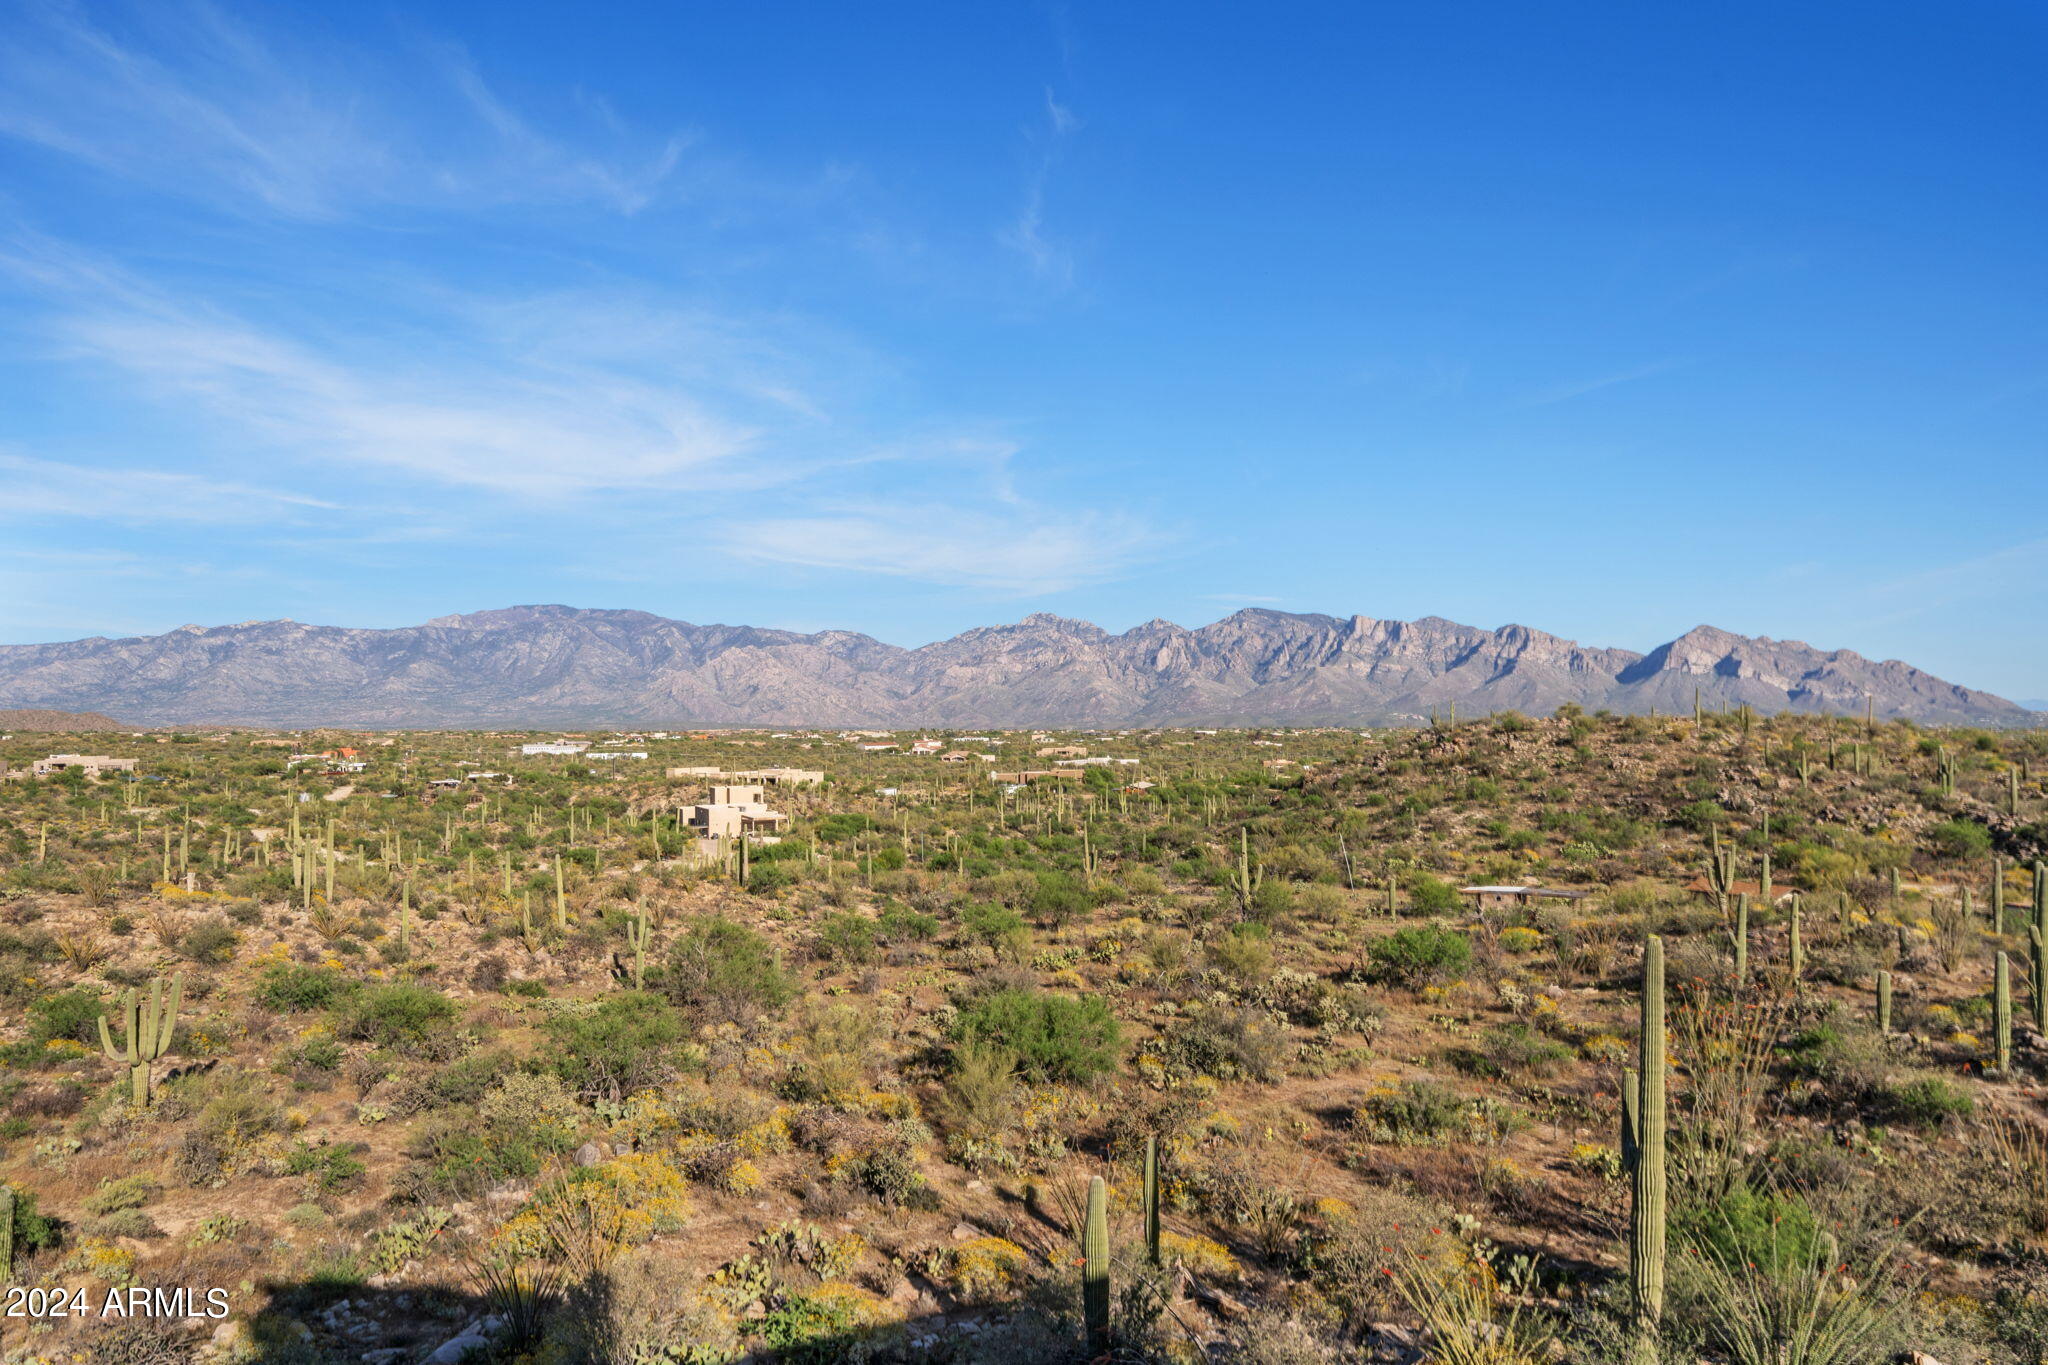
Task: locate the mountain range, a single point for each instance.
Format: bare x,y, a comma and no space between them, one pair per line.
557,666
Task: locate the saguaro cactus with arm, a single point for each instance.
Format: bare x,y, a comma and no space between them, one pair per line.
149,1034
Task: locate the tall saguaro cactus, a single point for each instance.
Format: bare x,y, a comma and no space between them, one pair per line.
1150,1198
149,1034
2037,938
1741,938
1244,883
637,933
1798,953
1095,1268
1642,1139
1884,1002
6,1233
2001,1013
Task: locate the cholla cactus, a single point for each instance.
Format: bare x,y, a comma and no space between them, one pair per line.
149,1034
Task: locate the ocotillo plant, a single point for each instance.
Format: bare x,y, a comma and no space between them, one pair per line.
2001,1013
1643,1153
149,1034
1884,1002
1095,1268
1150,1198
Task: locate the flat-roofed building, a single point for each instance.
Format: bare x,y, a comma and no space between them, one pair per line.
92,765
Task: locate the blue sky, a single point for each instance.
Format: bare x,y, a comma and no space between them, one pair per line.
1607,319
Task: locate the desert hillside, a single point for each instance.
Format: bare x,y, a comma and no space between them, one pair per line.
450,1050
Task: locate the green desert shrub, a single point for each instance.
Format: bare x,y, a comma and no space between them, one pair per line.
723,971
1420,955
620,1046
72,1014
410,1019
847,937
1053,1037
998,926
291,987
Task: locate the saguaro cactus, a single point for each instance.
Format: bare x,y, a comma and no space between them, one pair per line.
637,933
6,1233
1643,1152
1244,883
1095,1268
1884,1002
2001,1013
149,1034
2037,938
1741,937
1798,949
1997,895
1150,1198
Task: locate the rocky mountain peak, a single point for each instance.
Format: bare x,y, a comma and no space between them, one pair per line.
554,664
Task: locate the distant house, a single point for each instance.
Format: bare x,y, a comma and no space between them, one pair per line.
92,765
875,748
926,746
784,777
617,753
1033,775
1780,891
555,746
732,820
1516,897
1062,751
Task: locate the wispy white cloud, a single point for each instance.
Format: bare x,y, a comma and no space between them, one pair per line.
2000,573
1026,234
540,398
1014,550
187,100
596,400
1581,387
31,487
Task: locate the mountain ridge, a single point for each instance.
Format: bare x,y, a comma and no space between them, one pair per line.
551,664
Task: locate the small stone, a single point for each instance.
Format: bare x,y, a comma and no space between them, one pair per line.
963,1232
450,1352
588,1154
